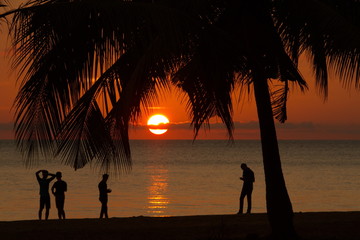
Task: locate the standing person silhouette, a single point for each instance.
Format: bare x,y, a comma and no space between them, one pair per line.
103,196
248,178
58,189
44,191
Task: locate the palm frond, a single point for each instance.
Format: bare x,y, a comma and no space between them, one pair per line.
319,28
83,134
347,66
66,51
88,66
279,100
200,79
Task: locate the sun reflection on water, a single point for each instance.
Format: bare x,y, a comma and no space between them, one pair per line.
157,199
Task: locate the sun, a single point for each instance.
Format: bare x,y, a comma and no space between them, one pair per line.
158,124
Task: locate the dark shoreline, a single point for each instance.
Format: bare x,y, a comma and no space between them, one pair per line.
310,226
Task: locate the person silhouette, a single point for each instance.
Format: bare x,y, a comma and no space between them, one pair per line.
103,196
248,178
44,191
58,189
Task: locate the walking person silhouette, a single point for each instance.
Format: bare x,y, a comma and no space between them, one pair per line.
58,189
44,191
103,196
248,178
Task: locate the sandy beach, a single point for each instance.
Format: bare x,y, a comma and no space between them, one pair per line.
310,226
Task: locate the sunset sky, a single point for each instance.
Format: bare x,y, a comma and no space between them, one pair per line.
309,117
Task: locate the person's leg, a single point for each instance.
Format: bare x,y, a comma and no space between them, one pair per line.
47,213
40,212
63,211
47,206
249,203
249,193
63,214
241,207
106,211
42,204
60,207
102,209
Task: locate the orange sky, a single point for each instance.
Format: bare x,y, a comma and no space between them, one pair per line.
309,117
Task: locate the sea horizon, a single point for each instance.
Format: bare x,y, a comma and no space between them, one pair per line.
182,178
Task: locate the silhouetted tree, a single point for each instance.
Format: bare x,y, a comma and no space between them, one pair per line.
88,66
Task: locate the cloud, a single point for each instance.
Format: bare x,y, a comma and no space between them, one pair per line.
6,126
252,125
173,125
245,130
309,130
289,126
6,130
301,125
289,130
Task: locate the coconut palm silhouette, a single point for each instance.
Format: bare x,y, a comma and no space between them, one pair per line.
87,66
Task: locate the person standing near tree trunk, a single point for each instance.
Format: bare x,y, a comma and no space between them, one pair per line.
249,179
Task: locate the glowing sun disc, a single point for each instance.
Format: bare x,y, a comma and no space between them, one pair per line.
157,124
158,131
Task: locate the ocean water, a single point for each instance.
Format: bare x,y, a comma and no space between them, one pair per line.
179,177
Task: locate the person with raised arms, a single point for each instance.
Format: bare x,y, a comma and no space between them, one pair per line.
44,182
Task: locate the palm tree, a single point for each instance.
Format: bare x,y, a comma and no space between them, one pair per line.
88,66
266,39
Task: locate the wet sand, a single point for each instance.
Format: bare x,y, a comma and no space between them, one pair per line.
310,226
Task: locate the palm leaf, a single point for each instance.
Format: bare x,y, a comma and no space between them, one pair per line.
66,51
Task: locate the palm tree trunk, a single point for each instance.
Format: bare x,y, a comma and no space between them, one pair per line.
278,203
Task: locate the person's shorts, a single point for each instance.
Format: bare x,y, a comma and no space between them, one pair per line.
246,190
103,200
45,201
60,202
